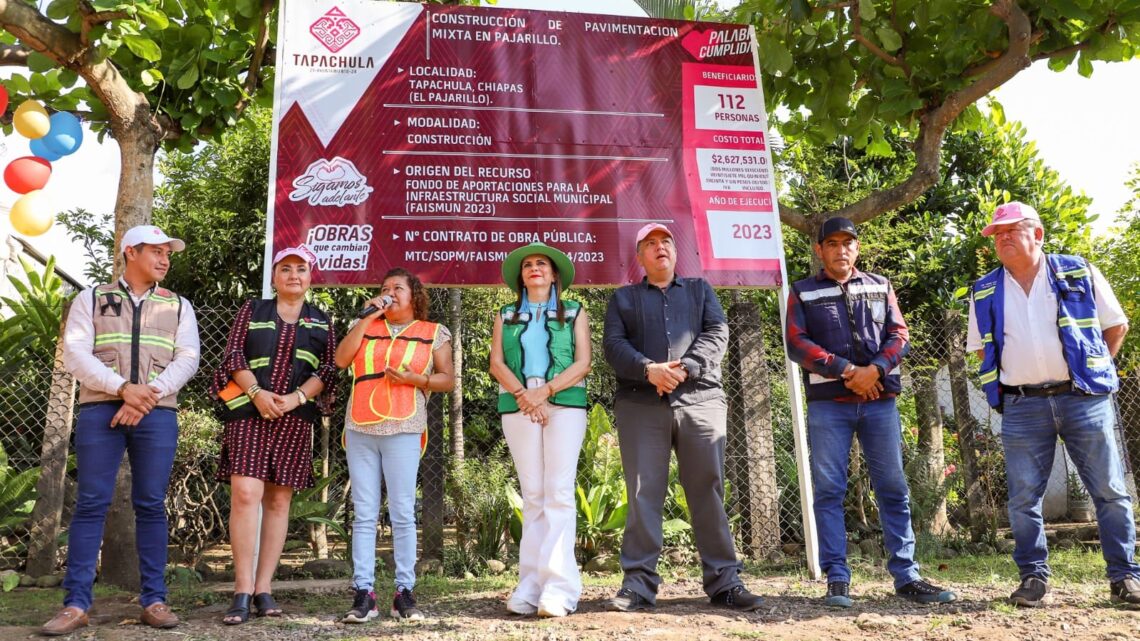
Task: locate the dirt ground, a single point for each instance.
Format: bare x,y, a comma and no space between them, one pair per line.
792,611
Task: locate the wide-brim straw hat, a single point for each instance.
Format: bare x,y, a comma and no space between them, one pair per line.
512,266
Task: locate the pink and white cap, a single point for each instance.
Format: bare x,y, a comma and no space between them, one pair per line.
649,229
300,251
1008,214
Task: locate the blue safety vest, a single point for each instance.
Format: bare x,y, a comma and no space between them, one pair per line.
1091,369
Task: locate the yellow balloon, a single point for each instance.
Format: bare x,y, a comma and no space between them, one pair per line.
31,120
32,214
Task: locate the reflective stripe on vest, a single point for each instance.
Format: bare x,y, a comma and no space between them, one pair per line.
374,398
135,340
1091,369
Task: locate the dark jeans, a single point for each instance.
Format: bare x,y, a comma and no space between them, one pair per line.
99,450
831,425
1029,430
646,435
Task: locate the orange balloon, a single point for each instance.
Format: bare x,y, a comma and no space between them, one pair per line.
27,174
31,120
32,214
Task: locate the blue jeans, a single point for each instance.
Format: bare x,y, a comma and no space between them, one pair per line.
1029,430
150,447
831,426
397,457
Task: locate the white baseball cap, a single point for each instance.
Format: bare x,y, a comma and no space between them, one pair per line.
150,235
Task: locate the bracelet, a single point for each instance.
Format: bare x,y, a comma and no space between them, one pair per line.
303,397
119,392
550,390
253,391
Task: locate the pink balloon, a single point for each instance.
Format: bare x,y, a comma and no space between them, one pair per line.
28,173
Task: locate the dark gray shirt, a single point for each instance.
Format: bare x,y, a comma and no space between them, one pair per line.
646,324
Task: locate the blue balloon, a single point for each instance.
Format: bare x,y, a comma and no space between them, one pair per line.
40,149
65,134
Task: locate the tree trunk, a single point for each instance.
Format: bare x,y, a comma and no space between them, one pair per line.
931,455
455,413
981,514
860,486
138,142
433,470
752,448
319,532
44,529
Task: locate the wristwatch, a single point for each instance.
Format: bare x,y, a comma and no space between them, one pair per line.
119,392
301,395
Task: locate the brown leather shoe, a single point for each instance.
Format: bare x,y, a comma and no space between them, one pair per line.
158,615
65,621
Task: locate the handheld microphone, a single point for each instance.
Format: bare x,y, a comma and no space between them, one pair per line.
385,299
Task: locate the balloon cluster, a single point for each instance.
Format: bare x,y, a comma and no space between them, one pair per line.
52,137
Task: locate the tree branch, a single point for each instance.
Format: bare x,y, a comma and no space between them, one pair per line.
253,75
13,56
793,217
1079,46
857,35
127,108
933,125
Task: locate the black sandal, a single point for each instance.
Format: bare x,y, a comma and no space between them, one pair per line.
265,605
239,609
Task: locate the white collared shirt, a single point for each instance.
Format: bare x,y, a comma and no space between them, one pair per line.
79,349
1031,350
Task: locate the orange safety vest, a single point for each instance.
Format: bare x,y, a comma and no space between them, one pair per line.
374,397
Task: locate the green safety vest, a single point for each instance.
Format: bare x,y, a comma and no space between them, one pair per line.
561,348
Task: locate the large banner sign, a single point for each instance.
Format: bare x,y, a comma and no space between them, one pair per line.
439,138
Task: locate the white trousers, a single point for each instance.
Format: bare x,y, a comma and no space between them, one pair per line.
546,459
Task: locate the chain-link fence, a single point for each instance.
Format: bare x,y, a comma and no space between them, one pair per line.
951,449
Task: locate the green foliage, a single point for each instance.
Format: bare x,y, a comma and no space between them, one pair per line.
189,60
478,492
1116,256
1074,489
601,512
600,496
933,248
17,496
914,53
28,336
221,188
311,508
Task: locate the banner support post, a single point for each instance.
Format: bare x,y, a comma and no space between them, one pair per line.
795,385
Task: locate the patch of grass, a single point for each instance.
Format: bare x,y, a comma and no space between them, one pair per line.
34,606
746,634
1002,606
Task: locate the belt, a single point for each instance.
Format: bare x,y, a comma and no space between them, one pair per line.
1049,389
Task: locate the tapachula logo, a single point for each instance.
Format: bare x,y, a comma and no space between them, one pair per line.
335,30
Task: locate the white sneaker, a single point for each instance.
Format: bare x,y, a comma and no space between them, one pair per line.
516,605
552,610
